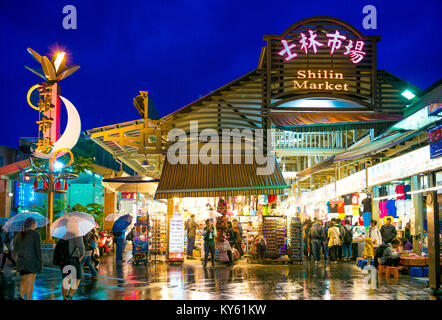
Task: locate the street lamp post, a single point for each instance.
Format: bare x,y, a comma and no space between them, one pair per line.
49,144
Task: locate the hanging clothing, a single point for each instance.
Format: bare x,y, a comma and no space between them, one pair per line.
355,210
355,199
366,205
347,199
340,208
367,218
391,208
407,188
400,190
348,209
383,209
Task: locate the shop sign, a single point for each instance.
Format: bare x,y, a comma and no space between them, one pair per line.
353,183
128,196
327,80
435,142
176,238
407,165
334,41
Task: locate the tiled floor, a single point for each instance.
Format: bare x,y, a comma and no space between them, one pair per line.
125,281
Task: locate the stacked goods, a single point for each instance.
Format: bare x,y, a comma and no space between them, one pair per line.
295,239
274,231
158,237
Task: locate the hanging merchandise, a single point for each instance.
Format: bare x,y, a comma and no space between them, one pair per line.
272,198
58,185
407,188
222,206
391,208
65,185
383,209
366,205
400,190
35,184
355,210
265,210
367,218
355,199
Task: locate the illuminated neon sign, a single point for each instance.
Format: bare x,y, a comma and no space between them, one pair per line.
312,80
335,41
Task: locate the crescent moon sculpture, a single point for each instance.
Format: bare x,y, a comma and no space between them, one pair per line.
70,135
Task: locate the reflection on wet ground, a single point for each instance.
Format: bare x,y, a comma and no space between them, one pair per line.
125,281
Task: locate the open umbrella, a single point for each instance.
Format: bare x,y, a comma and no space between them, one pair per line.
72,225
112,217
15,224
122,223
3,220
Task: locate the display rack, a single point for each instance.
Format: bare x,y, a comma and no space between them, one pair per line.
274,230
295,240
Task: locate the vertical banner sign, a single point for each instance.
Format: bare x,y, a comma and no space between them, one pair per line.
176,238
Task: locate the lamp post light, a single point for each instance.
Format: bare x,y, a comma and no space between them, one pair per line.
49,144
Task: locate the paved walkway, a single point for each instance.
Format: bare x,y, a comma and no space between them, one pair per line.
125,281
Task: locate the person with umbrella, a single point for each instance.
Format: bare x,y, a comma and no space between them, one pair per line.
27,245
119,230
71,227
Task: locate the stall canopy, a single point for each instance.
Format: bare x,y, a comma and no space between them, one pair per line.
131,184
212,180
332,120
367,149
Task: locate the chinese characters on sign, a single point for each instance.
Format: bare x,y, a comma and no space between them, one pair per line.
335,42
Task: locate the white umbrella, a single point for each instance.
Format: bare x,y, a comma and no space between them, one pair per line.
72,225
112,217
15,224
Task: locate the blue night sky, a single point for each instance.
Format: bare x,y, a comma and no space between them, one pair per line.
181,50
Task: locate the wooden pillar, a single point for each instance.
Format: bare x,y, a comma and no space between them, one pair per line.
418,207
433,235
110,206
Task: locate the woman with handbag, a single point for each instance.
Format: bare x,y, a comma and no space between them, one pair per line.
6,246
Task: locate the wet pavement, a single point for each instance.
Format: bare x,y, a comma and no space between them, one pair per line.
161,281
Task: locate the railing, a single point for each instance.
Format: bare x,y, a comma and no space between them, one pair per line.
328,140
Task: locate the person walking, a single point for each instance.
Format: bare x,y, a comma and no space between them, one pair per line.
191,227
374,234
325,245
316,235
27,247
87,260
347,239
76,256
6,247
238,237
307,244
388,232
209,242
120,241
334,242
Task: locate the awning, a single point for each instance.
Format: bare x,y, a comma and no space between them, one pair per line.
213,180
13,168
325,121
367,149
315,168
375,146
131,184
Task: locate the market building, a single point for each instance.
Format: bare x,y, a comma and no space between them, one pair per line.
345,138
